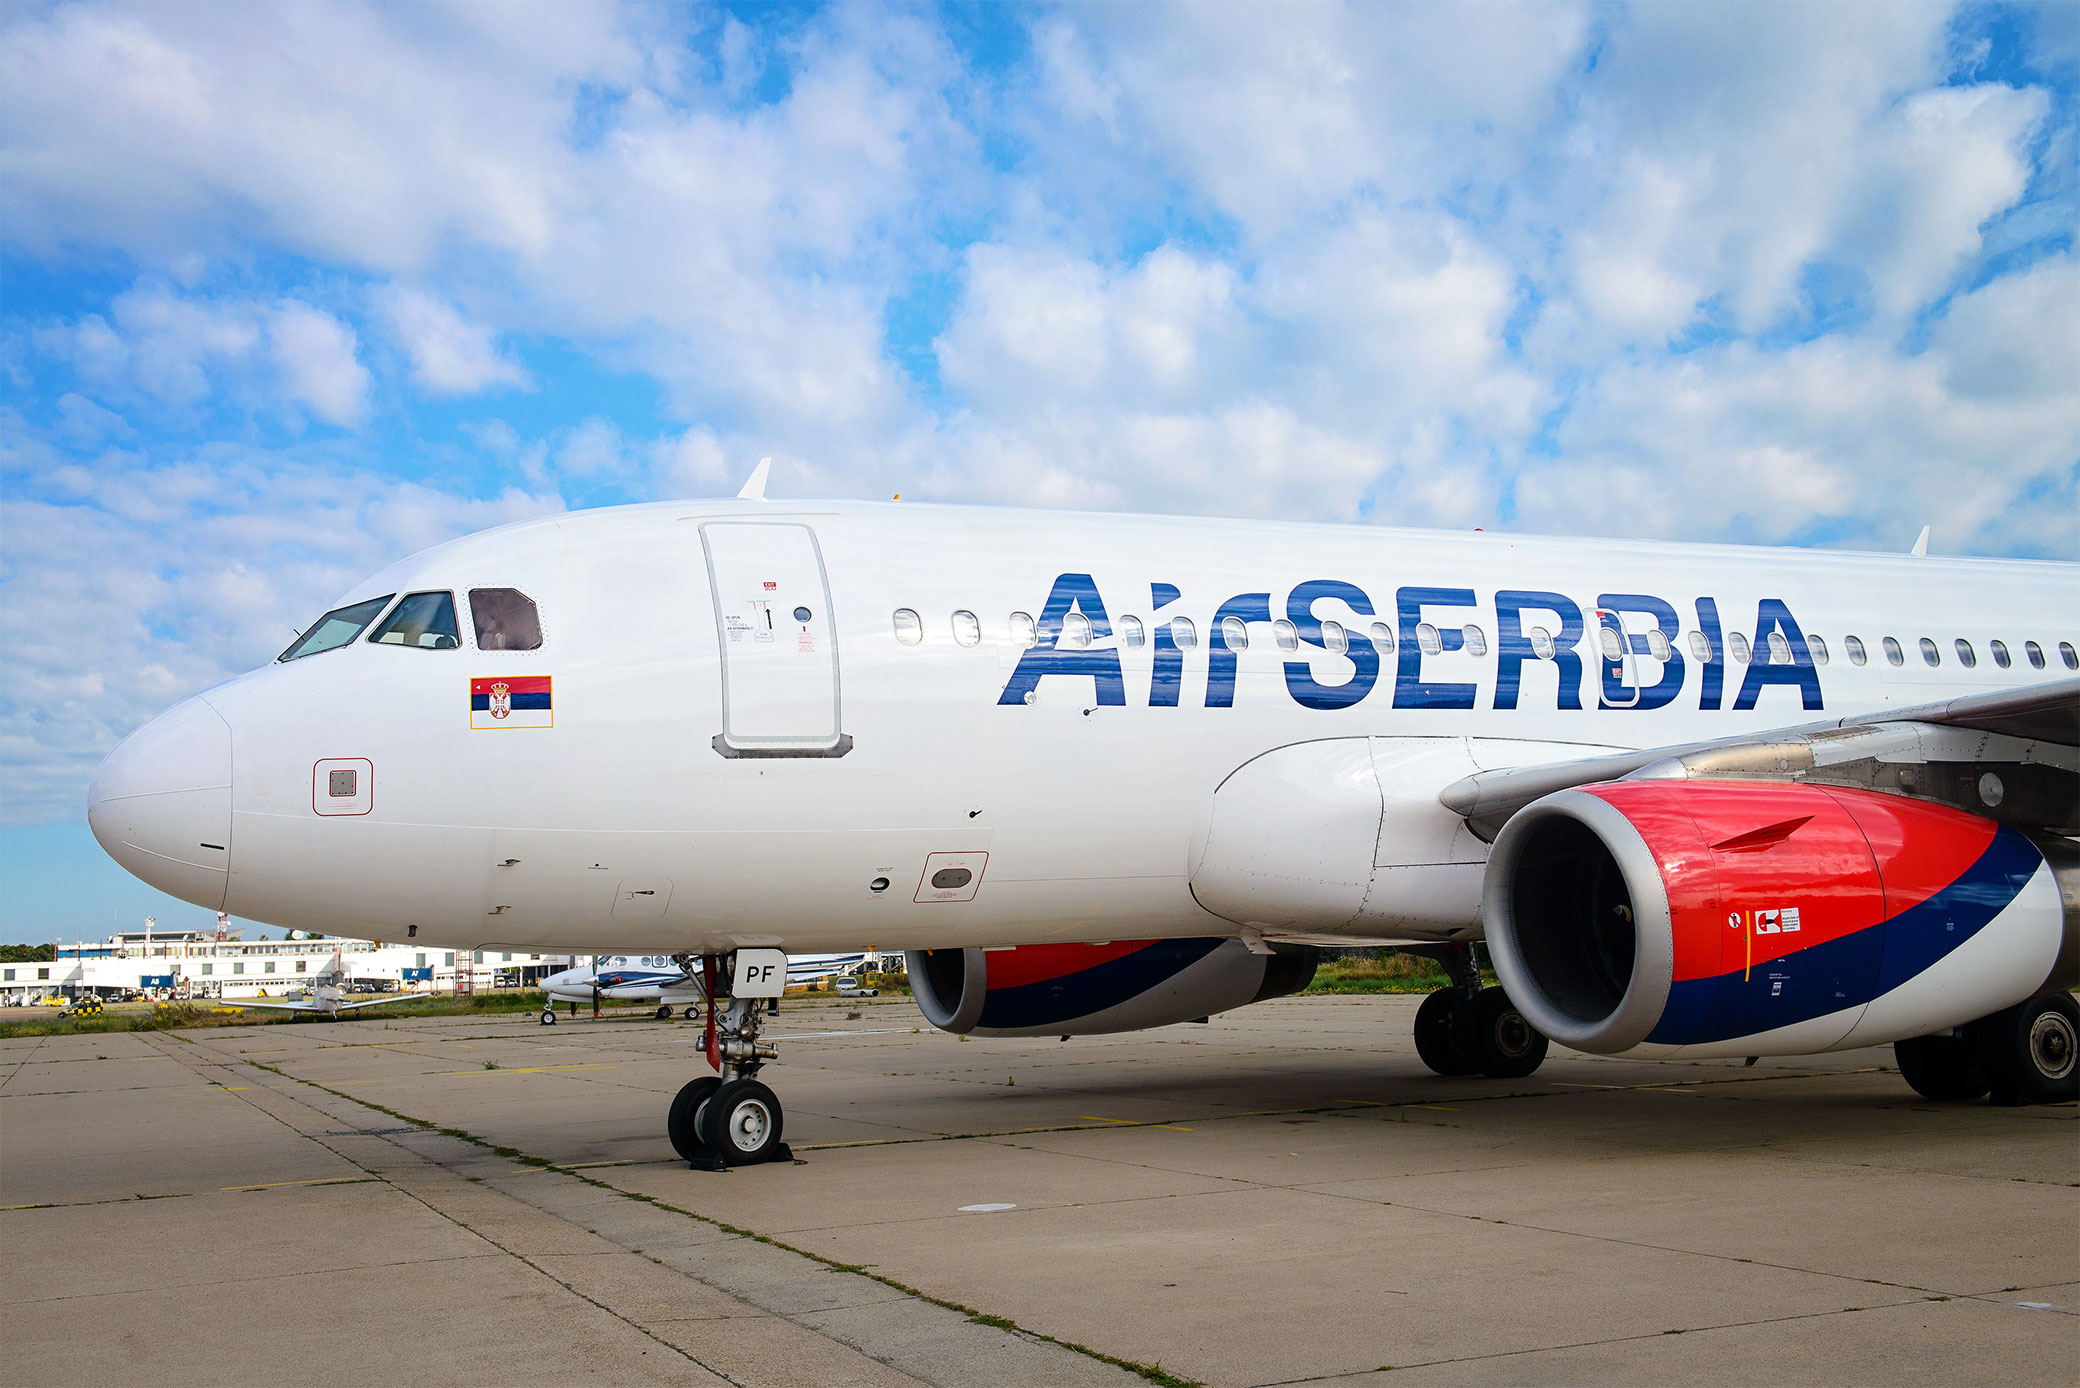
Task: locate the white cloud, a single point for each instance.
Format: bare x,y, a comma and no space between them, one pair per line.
450,355
1839,435
315,354
175,353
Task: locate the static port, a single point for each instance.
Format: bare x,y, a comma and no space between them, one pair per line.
879,884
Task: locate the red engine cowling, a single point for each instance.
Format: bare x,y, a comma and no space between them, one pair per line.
1739,918
1085,990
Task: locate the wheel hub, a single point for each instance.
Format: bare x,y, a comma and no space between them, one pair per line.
748,1125
2052,1046
1512,1034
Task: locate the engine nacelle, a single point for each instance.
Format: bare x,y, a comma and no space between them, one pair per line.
1086,990
1741,918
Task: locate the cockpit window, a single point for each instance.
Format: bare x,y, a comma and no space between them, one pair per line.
506,620
424,620
336,628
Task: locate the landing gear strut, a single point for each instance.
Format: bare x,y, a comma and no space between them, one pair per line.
1466,1029
730,1118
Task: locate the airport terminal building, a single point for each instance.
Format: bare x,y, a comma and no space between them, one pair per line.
214,964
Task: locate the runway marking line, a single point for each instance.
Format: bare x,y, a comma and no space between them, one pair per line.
532,1069
1136,1123
319,1181
1435,1108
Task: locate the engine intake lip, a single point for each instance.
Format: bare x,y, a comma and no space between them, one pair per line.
949,985
1628,1022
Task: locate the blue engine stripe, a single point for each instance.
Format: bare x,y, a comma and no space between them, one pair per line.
1054,1001
1851,969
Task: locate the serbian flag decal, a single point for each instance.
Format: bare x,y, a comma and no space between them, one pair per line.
510,701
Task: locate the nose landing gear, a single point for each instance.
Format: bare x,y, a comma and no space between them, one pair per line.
729,1118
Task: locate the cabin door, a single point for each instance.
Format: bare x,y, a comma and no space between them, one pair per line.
780,695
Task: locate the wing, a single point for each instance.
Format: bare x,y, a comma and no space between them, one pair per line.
2011,756
270,1006
377,1002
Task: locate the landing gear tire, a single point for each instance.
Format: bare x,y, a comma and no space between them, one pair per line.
682,1123
1495,1038
1433,1034
1946,1069
548,1016
664,1014
2030,1051
741,1123
692,1012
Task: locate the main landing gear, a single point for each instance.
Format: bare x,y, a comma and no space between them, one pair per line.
730,1118
1466,1029
2025,1054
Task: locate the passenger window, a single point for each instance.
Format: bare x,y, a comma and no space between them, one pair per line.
1737,646
1427,639
1334,638
1701,647
1854,646
2000,654
1779,649
337,627
909,626
1382,638
1657,644
1893,654
1234,633
2029,648
967,629
1818,646
424,620
506,620
1608,640
1542,643
1930,655
1022,630
1183,633
2070,656
1966,656
1477,640
1131,630
1076,631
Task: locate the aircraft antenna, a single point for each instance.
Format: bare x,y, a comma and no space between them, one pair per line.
755,488
1920,549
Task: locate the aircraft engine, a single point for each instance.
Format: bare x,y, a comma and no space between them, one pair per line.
1744,918
1085,990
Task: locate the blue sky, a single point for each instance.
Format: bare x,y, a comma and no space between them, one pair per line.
290,291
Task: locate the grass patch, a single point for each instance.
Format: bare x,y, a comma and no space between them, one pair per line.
1380,971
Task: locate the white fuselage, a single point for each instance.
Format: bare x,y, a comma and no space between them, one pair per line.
617,820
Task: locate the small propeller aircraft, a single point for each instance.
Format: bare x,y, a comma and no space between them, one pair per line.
327,996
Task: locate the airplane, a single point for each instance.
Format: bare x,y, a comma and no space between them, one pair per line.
1100,772
660,979
325,996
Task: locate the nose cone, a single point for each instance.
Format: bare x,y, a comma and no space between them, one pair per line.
161,803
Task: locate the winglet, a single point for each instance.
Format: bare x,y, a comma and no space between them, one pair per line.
1920,549
755,489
